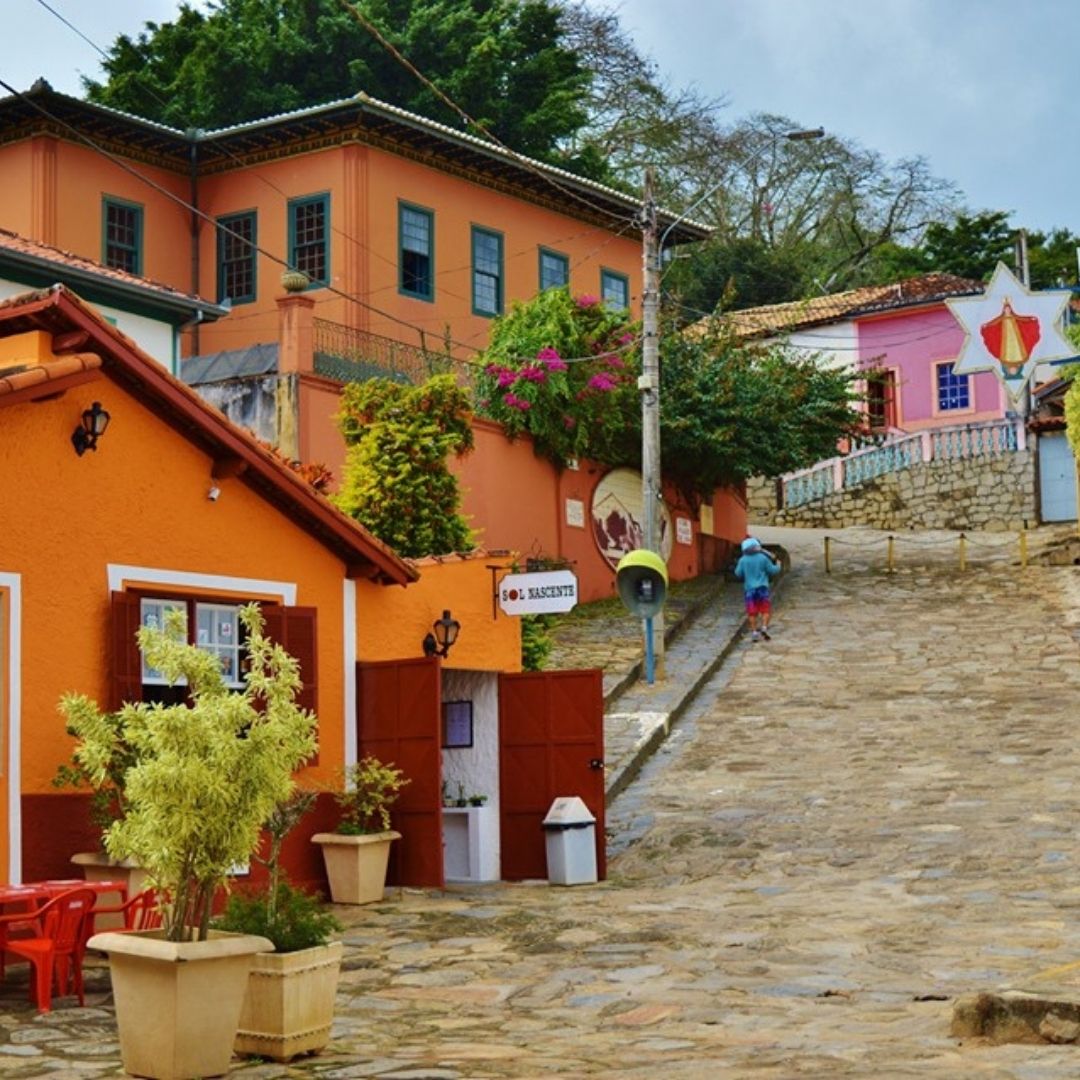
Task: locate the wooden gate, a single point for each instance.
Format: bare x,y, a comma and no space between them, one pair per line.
399,706
551,743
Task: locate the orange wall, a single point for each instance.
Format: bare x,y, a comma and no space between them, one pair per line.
392,622
139,500
16,186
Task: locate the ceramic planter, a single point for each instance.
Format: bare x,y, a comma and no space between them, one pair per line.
356,865
178,1003
289,1006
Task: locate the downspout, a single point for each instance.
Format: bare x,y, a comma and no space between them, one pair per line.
193,198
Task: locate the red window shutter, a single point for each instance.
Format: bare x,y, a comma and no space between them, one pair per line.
126,682
294,628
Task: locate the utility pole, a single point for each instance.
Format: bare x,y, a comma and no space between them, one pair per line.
649,385
1020,249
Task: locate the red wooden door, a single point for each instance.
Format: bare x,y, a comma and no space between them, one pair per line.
399,707
551,743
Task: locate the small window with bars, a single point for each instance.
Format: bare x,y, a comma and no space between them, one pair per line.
554,270
416,240
309,237
123,236
487,259
953,390
615,290
236,240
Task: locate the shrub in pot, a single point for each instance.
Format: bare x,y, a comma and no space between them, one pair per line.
356,854
207,774
289,1006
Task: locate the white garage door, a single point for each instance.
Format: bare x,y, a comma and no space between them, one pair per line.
1057,478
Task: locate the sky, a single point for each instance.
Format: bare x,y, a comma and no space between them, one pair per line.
981,88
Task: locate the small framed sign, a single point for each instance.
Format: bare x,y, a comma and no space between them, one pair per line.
457,718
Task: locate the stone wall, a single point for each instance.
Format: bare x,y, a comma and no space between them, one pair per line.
990,492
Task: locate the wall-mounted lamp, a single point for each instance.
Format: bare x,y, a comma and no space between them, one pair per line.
94,422
443,634
214,493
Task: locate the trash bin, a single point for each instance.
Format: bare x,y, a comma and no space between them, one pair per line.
571,842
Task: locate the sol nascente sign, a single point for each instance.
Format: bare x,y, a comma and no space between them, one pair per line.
543,593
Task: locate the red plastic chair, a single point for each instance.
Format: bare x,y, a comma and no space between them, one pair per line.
55,945
141,912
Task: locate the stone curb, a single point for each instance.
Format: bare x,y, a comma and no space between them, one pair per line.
1016,1016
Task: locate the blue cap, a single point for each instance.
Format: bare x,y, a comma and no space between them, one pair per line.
750,544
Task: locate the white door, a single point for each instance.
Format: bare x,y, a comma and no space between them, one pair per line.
1057,478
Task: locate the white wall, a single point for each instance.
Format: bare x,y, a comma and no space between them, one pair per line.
153,336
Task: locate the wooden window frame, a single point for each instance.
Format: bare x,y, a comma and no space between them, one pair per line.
294,208
108,202
229,221
427,294
559,257
499,278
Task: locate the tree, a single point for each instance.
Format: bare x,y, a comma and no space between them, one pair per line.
396,480
502,61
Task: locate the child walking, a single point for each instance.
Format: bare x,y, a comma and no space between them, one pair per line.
755,569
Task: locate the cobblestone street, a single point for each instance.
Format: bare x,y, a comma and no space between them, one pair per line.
856,823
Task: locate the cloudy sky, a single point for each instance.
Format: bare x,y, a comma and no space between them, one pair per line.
982,88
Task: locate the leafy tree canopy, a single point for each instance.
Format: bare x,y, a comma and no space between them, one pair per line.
502,61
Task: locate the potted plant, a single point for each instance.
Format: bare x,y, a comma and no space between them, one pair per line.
477,800
107,804
207,774
289,1005
357,853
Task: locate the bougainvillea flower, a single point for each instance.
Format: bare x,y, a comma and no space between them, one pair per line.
534,373
587,301
507,378
602,381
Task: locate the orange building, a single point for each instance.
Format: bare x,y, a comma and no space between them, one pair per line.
173,507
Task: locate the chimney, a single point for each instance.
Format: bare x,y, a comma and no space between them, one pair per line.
296,326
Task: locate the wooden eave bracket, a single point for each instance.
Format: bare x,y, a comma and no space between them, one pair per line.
69,342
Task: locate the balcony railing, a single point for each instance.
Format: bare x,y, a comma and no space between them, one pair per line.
346,354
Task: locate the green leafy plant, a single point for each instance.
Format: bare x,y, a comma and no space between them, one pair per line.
562,370
371,788
396,480
207,774
536,641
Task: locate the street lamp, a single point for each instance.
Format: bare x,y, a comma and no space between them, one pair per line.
649,381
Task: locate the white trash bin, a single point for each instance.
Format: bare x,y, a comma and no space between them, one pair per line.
571,842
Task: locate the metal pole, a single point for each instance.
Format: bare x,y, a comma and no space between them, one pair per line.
828,557
1023,547
649,385
963,552
650,668
890,558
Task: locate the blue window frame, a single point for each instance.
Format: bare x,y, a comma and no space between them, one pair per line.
615,290
953,391
237,236
309,237
416,252
122,235
487,272
554,269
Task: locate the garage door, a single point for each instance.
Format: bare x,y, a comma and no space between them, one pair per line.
1057,478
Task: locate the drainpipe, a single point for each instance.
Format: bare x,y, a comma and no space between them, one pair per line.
193,198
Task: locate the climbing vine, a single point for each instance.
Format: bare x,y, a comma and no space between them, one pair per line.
397,481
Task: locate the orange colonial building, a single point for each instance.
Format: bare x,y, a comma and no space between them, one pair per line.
176,507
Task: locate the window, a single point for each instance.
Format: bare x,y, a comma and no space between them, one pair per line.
953,391
236,240
416,254
217,630
554,270
122,236
615,290
881,398
309,237
487,260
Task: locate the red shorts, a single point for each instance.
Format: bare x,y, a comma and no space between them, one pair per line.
757,602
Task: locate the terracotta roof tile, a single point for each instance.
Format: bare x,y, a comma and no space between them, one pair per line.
774,319
14,380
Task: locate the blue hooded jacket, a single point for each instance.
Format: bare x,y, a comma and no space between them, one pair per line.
755,569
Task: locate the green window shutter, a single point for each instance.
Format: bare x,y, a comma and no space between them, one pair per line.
309,237
237,238
416,252
122,235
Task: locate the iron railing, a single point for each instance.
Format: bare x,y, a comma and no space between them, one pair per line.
346,354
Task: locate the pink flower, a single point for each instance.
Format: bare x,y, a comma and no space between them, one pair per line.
569,423
602,380
626,339
547,353
507,378
587,301
615,361
533,373
512,401
552,359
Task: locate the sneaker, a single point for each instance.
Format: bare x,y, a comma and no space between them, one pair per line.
765,634
755,636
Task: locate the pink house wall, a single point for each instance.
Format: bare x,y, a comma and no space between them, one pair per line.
912,343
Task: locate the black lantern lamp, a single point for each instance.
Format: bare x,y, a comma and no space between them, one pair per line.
94,422
443,634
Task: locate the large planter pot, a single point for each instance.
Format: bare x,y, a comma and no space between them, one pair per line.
289,1006
356,865
97,866
178,1003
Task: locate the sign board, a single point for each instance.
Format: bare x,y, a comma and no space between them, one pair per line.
617,517
538,594
684,530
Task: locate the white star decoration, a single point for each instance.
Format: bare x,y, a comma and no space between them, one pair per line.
1009,314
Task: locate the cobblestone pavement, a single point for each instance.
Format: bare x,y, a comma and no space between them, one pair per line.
854,823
